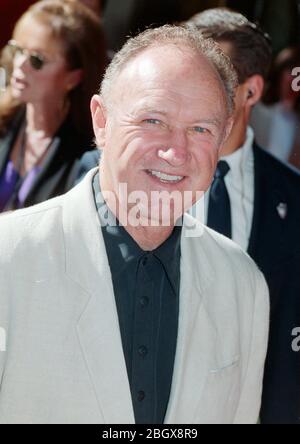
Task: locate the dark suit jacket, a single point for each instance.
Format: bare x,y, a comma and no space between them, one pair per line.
89,160
60,166
275,247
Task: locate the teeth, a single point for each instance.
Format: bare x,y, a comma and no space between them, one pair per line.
165,177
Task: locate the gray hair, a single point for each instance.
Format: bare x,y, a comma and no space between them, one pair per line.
176,35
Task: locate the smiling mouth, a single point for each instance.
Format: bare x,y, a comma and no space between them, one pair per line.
165,178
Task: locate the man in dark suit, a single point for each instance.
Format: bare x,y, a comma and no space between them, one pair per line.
255,200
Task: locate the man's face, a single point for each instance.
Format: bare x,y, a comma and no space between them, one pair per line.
167,120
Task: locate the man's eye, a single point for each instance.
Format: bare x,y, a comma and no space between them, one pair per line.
152,121
200,129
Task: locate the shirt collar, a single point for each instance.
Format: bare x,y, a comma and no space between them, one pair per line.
123,249
242,157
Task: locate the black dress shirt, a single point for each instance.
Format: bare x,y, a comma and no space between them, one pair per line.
146,288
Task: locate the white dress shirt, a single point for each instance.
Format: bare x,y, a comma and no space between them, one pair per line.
240,186
275,129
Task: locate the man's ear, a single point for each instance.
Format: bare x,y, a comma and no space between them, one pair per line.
226,133
254,87
228,129
99,116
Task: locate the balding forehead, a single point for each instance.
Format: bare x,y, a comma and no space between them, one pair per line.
176,60
172,73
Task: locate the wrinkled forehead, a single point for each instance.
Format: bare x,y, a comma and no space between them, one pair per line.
176,62
170,67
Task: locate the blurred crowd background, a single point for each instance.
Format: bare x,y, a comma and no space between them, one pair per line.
275,119
122,17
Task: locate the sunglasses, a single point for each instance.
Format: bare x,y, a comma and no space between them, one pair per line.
37,61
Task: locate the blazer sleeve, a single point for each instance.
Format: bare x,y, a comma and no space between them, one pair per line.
250,398
3,324
6,272
3,340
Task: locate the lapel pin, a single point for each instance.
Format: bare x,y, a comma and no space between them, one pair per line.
282,210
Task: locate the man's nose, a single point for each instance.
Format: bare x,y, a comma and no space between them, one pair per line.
176,153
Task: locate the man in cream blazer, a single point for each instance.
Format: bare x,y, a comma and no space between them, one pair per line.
62,360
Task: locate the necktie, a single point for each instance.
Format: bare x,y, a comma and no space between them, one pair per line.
219,214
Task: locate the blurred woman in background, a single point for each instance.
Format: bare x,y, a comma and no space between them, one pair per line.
276,120
94,5
58,57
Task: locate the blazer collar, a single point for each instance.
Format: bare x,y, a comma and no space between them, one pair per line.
98,327
197,334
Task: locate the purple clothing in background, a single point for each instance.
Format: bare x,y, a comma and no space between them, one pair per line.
8,182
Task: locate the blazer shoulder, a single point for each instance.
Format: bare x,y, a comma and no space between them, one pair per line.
275,167
25,231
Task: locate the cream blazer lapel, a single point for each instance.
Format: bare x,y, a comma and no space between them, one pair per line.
205,386
196,334
98,326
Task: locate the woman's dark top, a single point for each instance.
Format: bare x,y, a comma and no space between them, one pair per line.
54,176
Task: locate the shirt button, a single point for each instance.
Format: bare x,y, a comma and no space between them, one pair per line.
141,395
144,261
142,351
144,301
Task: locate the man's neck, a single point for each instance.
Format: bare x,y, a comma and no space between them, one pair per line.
149,238
236,138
